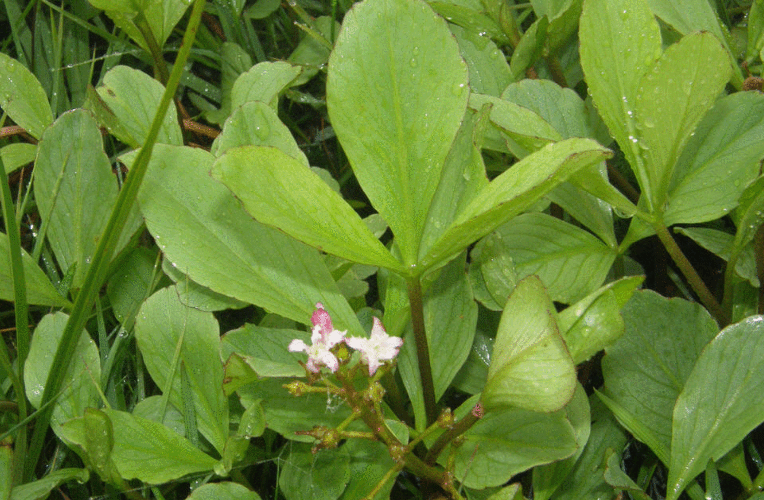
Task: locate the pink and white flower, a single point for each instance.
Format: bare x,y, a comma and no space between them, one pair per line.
377,348
323,338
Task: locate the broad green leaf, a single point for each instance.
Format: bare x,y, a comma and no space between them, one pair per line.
450,317
497,267
279,191
223,491
40,291
151,452
619,480
160,15
755,30
514,191
310,54
530,365
525,130
16,155
750,213
471,16
42,488
74,188
687,16
369,462
132,98
716,409
289,415
663,339
234,61
595,214
154,408
571,262
672,98
594,322
132,282
462,178
82,377
547,478
170,334
314,476
263,82
530,47
396,103
506,442
23,98
720,243
559,107
586,480
620,40
261,352
196,296
203,230
257,124
719,161
488,69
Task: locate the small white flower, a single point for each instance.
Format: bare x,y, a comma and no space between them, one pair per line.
323,338
377,348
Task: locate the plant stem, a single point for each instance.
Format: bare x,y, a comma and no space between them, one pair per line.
690,274
457,430
416,304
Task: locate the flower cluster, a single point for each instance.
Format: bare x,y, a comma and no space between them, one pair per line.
379,347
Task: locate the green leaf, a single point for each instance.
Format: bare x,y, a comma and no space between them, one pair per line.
524,129
369,462
234,61
672,98
530,365
23,98
279,191
716,409
506,442
42,488
587,209
310,54
514,191
470,15
619,480
396,103
620,40
560,107
196,296
222,491
204,231
161,17
257,124
40,291
132,98
264,82
720,243
131,282
462,178
719,161
314,476
570,261
261,352
75,190
497,268
488,69
530,47
83,375
755,30
170,334
6,468
151,452
663,339
595,322
586,480
450,317
547,478
16,155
